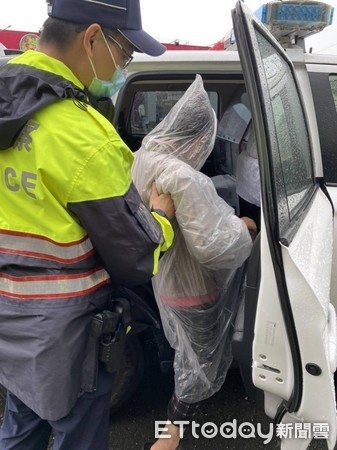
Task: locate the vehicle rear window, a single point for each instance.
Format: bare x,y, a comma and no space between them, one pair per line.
150,107
333,84
324,91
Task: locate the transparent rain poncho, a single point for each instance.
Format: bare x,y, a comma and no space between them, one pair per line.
199,281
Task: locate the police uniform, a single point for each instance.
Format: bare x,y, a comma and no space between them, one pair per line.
72,228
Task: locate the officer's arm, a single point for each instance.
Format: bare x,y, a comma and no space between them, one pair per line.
127,237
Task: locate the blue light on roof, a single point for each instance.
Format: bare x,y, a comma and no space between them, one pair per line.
261,13
331,16
299,13
232,38
300,18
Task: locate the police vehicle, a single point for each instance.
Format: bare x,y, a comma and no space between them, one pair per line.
285,333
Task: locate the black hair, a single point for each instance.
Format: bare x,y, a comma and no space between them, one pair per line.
60,32
63,33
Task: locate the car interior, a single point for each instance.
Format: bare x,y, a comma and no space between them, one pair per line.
158,93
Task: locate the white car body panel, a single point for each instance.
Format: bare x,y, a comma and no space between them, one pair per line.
333,194
298,304
308,260
308,281
272,361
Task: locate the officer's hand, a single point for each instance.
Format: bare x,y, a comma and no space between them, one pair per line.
251,225
163,202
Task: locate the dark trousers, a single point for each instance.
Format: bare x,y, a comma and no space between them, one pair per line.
86,427
178,410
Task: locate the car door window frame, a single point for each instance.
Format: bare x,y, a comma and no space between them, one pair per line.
326,116
246,27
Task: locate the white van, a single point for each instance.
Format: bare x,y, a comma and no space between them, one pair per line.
285,333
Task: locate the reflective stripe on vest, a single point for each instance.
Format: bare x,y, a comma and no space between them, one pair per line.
52,286
47,254
40,247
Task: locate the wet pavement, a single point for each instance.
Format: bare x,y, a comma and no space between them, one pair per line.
134,424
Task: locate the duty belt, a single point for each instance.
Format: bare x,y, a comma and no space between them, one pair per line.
109,329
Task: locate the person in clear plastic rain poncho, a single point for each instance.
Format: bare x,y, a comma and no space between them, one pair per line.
197,283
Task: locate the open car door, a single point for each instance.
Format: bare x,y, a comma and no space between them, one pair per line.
294,354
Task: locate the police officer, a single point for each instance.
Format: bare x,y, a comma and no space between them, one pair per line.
72,225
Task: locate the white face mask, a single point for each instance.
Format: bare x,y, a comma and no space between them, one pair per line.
107,88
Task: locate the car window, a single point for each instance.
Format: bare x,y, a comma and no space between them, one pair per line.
324,92
333,85
150,107
291,154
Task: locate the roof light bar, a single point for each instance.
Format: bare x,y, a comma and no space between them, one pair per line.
298,19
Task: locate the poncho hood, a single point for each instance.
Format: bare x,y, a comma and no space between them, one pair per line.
189,129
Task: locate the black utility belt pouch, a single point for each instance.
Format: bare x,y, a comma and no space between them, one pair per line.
109,329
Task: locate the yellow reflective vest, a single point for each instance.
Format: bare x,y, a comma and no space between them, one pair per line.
72,227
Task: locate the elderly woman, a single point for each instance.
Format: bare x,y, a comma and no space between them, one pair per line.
200,278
